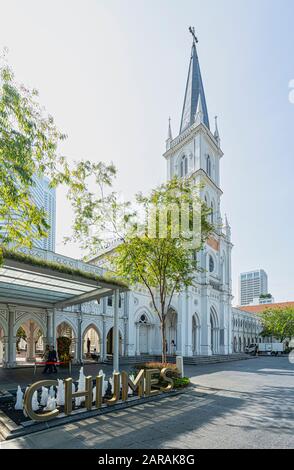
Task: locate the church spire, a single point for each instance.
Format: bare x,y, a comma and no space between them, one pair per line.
194,90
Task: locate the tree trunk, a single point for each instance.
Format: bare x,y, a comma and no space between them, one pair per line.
163,339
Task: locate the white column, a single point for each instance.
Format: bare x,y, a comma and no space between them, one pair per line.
205,347
188,328
126,302
137,348
49,338
30,343
10,346
79,339
104,339
115,333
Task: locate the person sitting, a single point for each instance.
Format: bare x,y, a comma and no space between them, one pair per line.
94,355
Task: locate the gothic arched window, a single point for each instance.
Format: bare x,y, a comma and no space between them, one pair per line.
211,264
208,165
184,165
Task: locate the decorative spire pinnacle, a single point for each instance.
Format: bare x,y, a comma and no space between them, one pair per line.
194,89
169,135
227,228
216,133
199,112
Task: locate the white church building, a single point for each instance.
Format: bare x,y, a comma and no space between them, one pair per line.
200,321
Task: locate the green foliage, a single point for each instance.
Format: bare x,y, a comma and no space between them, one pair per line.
265,296
161,262
278,322
93,224
28,148
20,334
31,260
181,382
63,349
163,265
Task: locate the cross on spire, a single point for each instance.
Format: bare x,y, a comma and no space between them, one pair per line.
192,31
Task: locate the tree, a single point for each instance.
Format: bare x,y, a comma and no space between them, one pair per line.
153,250
20,334
265,296
28,149
278,322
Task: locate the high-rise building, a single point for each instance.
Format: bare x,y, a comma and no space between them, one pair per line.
252,285
43,197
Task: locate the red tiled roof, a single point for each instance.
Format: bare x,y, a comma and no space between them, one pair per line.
261,307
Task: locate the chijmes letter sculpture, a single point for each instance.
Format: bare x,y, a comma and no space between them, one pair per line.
146,384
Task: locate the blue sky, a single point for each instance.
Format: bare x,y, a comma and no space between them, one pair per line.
112,71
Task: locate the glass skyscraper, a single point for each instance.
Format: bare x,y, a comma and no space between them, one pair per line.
44,197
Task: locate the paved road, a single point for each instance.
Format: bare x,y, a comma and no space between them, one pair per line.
244,404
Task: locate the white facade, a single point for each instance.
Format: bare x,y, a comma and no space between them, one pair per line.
252,284
246,329
262,301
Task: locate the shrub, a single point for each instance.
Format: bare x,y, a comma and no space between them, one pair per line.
63,345
181,382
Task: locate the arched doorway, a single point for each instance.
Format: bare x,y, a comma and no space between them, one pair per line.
91,341
235,344
65,330
109,342
171,331
143,334
214,332
29,342
195,334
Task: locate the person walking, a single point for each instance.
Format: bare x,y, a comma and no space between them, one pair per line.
173,347
45,357
52,358
88,346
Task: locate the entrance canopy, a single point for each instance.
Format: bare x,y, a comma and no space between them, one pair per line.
26,280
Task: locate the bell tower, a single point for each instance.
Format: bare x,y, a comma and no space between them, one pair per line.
196,153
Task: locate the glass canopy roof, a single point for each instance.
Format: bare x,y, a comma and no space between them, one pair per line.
27,284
